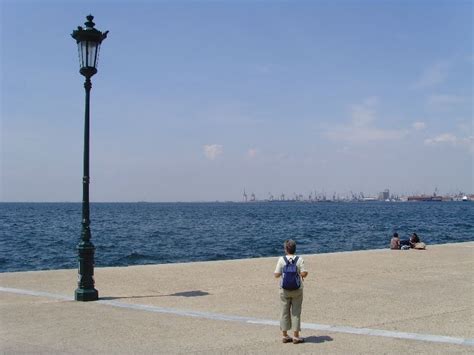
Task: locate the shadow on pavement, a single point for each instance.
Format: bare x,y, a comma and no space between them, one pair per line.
316,340
190,294
196,293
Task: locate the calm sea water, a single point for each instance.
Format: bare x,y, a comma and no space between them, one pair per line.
39,236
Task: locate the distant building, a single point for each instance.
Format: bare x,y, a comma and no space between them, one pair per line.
384,195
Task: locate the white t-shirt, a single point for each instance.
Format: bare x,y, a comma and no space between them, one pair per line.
299,265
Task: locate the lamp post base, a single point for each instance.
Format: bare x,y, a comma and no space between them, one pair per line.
86,295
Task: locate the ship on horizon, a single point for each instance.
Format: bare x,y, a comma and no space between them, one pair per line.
425,198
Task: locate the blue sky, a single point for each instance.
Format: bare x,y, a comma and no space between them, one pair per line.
197,100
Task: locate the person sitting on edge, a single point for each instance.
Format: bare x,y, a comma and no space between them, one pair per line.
395,241
414,239
292,270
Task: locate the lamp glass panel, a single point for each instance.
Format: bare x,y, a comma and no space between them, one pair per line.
91,53
83,50
97,55
79,52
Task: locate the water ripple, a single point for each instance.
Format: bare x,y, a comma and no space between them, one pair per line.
38,236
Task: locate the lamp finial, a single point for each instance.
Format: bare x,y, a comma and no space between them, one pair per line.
89,24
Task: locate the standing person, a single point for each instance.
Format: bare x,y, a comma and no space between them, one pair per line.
292,272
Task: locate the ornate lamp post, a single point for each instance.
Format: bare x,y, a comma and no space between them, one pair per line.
88,42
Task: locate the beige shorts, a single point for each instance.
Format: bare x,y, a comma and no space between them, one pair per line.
291,302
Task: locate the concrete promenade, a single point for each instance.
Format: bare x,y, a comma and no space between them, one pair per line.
368,302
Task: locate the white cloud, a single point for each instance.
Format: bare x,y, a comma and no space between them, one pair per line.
418,126
361,128
469,143
212,151
432,75
464,125
442,139
252,153
363,115
449,138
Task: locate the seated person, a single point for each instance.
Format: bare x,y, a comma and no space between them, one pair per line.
414,239
416,243
395,241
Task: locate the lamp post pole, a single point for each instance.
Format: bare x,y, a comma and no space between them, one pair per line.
86,290
88,40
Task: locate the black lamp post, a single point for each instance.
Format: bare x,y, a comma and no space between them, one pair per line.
88,42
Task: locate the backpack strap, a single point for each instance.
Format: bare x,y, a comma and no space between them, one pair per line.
294,261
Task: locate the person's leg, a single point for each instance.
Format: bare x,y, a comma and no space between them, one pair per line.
285,319
296,304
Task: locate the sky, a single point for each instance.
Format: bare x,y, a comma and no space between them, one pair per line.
199,100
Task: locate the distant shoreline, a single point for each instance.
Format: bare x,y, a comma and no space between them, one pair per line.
224,202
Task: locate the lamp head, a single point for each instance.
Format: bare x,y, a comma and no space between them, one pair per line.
88,41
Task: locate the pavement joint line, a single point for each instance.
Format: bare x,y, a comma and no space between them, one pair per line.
257,321
460,310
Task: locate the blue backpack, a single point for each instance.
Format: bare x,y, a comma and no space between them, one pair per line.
290,278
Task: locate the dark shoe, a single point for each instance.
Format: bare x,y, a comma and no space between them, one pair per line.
298,340
287,339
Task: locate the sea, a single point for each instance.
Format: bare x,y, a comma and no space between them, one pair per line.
44,236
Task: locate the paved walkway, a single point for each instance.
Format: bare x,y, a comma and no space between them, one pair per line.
360,302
